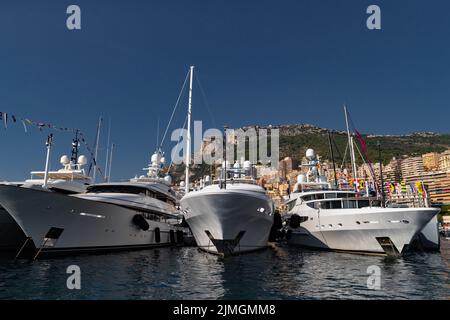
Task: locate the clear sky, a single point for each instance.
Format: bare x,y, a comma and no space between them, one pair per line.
259,62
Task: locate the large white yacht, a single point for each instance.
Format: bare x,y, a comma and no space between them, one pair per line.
140,213
231,215
70,179
322,218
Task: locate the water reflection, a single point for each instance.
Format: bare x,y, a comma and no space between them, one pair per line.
186,273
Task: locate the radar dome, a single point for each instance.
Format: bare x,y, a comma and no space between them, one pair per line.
310,154
168,179
82,160
182,184
64,160
155,158
236,165
163,160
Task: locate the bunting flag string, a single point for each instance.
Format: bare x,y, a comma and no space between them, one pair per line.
4,117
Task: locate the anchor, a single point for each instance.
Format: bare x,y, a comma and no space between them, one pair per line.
225,247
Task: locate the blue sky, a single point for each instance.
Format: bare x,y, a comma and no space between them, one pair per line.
259,62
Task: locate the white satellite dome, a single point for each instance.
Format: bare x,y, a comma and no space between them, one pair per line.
163,160
168,179
301,178
82,160
155,158
237,165
247,164
310,154
182,184
64,160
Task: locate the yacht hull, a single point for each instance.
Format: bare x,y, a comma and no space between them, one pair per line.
362,231
228,222
428,238
84,225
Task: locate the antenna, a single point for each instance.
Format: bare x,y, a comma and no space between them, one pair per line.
75,146
188,138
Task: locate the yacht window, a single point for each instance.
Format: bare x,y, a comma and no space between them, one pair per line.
291,204
343,195
330,195
363,203
349,204
319,196
307,198
117,189
336,204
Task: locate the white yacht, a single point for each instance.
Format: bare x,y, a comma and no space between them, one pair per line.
322,218
231,215
70,179
140,213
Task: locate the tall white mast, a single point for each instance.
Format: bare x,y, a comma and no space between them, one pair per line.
350,143
47,160
107,151
188,138
96,149
110,162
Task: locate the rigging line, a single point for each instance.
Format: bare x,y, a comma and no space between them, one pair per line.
205,100
173,112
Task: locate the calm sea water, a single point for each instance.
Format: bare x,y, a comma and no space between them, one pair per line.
186,273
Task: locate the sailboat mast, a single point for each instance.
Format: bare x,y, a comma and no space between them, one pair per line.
107,151
350,143
188,138
110,163
96,148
